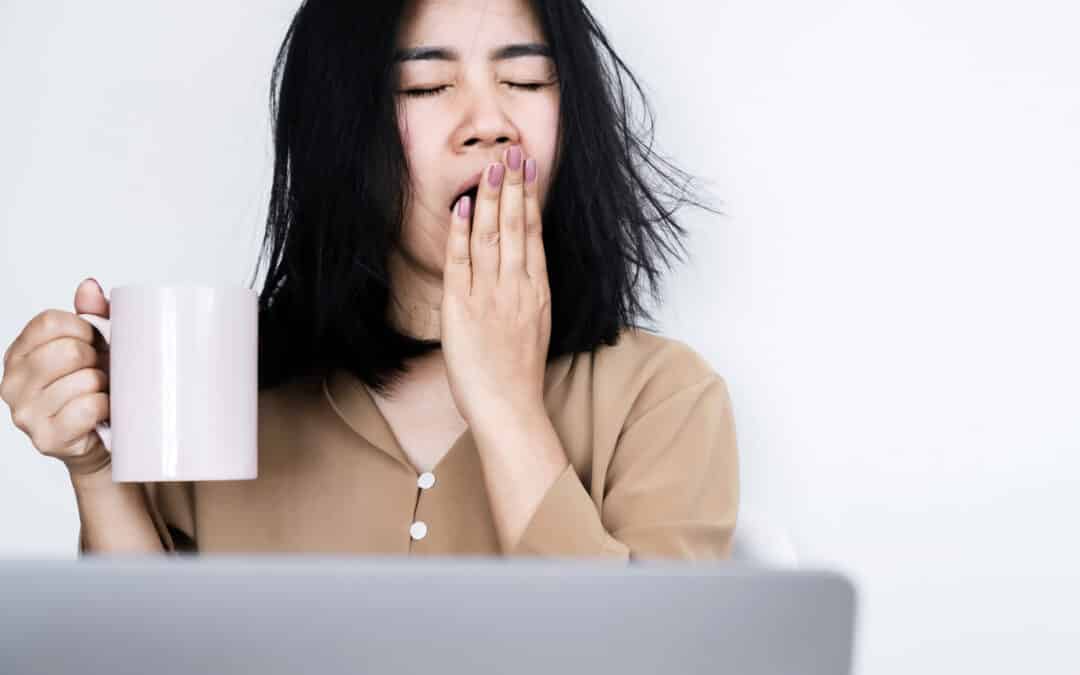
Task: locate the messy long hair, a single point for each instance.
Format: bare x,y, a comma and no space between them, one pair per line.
340,184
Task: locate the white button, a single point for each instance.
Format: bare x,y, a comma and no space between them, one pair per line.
418,530
426,480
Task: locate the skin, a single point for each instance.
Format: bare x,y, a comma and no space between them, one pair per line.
458,131
481,284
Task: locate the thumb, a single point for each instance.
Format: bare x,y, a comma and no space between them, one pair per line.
90,299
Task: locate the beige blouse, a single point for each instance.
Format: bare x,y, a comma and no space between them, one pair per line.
647,426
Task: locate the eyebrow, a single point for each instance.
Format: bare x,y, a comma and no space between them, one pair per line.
450,54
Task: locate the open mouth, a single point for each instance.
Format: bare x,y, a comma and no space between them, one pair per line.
471,192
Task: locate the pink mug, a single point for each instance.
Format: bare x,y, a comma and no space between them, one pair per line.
183,382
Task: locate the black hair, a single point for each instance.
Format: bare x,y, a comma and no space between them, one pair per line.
340,183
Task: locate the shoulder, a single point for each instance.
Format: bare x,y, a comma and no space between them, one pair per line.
638,349
644,368
642,357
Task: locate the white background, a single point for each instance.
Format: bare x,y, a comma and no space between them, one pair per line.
891,296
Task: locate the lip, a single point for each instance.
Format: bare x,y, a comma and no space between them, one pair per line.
471,182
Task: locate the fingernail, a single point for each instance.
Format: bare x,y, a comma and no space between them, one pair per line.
495,175
530,170
463,206
513,158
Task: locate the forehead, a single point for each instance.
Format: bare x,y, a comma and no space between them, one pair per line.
471,26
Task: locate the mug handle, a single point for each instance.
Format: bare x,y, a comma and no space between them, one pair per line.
104,327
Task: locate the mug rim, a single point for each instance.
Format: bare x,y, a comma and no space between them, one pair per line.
151,287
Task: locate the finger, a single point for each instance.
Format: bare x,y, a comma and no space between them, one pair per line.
512,217
535,258
90,299
53,360
82,381
485,229
457,271
77,418
45,327
55,396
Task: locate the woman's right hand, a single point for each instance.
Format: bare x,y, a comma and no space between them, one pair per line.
56,382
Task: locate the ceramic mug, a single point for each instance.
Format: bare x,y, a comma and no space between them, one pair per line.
183,382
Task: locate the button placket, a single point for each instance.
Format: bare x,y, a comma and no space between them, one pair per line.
419,529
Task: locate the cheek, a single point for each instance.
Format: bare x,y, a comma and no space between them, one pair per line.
547,149
404,126
421,138
414,144
545,123
415,128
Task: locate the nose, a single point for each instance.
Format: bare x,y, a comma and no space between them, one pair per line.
485,122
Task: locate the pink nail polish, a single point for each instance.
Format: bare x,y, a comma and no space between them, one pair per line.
530,170
464,205
513,158
495,175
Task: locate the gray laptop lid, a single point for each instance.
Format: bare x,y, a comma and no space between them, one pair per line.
335,614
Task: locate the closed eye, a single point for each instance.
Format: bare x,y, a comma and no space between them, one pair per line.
435,91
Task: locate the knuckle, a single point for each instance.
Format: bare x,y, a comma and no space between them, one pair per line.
99,379
87,381
85,355
88,355
21,418
101,408
40,437
79,412
72,352
49,320
490,238
86,413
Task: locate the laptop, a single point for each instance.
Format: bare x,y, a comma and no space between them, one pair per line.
271,614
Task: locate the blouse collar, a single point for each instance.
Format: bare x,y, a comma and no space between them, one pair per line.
353,403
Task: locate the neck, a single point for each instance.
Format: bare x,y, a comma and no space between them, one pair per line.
415,299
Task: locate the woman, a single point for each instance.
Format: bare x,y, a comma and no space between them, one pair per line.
448,361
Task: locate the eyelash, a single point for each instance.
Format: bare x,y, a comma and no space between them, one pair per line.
435,91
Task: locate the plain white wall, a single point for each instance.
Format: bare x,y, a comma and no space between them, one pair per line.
891,297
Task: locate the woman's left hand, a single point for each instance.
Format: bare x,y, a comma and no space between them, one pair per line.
496,305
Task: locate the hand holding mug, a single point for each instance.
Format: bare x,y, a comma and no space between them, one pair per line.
56,382
175,374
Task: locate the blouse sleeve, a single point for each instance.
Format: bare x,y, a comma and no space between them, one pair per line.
670,491
161,498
